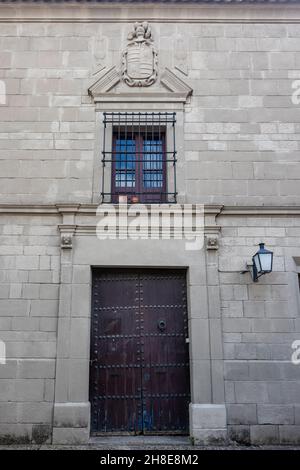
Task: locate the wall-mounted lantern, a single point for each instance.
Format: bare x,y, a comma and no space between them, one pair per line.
262,263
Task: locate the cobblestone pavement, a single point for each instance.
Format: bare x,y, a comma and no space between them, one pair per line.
142,443
151,448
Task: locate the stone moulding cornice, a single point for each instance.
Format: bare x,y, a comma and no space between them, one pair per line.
90,209
263,211
145,97
67,228
210,229
32,209
67,208
69,213
173,83
172,89
74,12
108,80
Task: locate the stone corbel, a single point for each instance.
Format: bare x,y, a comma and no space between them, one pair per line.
68,226
212,229
212,242
66,240
66,234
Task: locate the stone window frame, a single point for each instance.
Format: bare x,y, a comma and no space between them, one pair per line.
180,163
171,95
107,172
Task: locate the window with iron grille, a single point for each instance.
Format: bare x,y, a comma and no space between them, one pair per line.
139,157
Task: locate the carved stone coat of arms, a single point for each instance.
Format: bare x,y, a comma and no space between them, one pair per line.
140,57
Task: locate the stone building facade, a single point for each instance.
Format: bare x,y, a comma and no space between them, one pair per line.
230,73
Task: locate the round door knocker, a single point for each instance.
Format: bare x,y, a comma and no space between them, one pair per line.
161,325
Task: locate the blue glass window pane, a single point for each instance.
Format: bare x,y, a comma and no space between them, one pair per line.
153,164
125,162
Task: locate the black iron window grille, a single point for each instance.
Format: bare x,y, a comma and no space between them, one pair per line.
139,157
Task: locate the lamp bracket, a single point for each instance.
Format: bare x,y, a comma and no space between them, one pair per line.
250,269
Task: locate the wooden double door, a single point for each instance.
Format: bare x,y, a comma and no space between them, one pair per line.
139,373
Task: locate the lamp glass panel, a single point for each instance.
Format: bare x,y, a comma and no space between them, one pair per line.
266,261
257,263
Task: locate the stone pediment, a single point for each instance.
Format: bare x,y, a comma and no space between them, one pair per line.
109,87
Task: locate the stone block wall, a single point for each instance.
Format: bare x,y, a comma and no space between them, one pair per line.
260,322
29,290
241,128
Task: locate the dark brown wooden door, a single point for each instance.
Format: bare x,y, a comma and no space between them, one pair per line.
139,376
